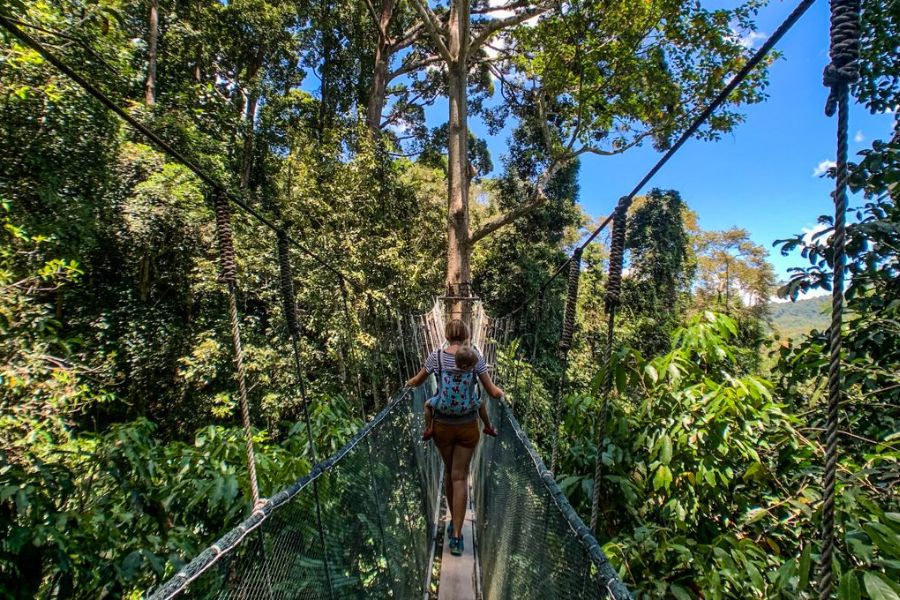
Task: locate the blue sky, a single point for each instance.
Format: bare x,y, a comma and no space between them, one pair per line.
760,177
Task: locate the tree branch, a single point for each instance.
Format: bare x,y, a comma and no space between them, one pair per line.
536,199
374,13
414,65
433,25
409,37
493,26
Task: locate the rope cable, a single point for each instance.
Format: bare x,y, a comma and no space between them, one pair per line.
565,343
228,276
720,98
839,74
164,146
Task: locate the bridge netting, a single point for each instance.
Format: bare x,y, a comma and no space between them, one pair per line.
364,523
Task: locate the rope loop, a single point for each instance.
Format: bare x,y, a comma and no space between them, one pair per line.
565,341
844,67
227,264
617,254
286,282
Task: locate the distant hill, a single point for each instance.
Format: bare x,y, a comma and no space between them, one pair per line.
792,319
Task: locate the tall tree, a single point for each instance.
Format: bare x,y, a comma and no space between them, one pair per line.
603,77
152,48
661,267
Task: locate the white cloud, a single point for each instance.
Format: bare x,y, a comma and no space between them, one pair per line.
816,293
811,232
752,39
823,167
859,137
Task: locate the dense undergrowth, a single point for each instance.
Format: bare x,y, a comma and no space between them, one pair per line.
122,454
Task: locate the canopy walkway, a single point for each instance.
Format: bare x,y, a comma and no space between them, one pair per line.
365,522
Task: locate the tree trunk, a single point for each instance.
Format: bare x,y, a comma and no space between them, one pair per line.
375,107
152,43
250,118
459,247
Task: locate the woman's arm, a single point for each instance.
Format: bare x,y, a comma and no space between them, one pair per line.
489,386
418,379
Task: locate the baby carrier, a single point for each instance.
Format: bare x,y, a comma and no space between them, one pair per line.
457,392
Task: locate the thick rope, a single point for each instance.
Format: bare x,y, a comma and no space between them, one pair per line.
842,72
539,315
228,276
613,298
289,303
565,343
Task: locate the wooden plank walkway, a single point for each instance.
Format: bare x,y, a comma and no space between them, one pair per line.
460,577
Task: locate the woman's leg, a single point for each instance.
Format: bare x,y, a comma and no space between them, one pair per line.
447,458
459,473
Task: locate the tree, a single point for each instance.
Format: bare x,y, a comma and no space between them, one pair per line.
732,270
661,267
602,78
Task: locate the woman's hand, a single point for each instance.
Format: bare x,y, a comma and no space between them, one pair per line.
418,379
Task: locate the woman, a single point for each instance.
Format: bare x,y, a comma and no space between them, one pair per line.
455,436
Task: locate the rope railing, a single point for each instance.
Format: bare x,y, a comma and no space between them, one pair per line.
319,557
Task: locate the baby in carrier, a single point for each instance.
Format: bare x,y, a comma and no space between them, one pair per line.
457,392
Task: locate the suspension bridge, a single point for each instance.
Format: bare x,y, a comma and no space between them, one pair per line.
366,522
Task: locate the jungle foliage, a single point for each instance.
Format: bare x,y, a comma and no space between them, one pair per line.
121,454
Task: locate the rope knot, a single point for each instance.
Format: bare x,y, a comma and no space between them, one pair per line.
844,67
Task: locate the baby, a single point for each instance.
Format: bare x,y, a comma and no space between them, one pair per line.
463,385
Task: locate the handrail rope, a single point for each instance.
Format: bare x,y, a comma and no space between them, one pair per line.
228,276
164,146
839,74
722,96
565,344
233,538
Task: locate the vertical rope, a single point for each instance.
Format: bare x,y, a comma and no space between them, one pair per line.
228,276
613,294
289,304
539,315
565,343
838,76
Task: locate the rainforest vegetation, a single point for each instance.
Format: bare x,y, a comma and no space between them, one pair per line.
122,452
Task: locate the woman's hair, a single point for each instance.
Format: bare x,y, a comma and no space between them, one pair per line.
466,358
456,331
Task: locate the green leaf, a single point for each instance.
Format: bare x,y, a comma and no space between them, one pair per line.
665,450
662,478
679,592
878,588
805,560
849,587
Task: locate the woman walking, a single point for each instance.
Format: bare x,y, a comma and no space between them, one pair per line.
455,435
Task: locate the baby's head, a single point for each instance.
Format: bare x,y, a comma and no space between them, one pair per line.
466,358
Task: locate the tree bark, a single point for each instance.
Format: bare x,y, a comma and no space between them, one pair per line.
152,44
250,118
375,107
459,247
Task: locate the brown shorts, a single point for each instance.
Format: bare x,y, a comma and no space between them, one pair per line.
462,434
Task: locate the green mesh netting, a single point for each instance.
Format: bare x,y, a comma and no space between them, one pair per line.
531,543
377,501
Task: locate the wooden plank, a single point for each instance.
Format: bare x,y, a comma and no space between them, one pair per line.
459,574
